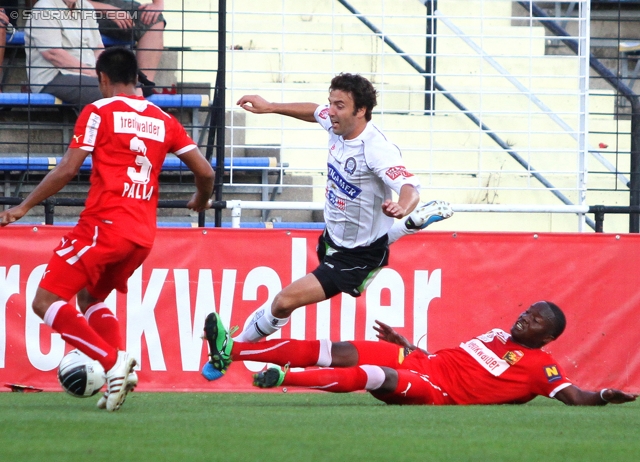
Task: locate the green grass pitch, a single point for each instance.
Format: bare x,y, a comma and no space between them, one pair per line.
308,427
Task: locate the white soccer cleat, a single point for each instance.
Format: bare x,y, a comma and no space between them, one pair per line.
132,382
428,213
102,402
117,381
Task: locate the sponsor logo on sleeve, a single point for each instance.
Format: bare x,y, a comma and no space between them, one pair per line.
91,130
513,357
552,373
398,171
324,113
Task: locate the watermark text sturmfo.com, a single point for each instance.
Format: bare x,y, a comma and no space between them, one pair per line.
75,15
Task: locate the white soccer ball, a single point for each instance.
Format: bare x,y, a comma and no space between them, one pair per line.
79,375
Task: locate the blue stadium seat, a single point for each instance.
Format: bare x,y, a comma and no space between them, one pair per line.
111,42
16,39
26,99
171,163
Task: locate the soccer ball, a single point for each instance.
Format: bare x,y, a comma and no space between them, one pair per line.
79,375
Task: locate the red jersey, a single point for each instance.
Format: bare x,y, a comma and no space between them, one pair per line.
128,138
492,369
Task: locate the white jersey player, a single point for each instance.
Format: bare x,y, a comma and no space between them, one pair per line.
364,169
361,174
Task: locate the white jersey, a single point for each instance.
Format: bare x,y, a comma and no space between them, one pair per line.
362,173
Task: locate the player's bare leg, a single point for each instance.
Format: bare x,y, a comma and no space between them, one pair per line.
263,322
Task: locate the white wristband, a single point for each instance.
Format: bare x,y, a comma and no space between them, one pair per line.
602,395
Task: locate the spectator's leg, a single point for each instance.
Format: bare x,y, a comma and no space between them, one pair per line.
149,50
75,89
3,43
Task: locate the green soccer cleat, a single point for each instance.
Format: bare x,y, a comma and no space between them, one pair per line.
272,377
220,342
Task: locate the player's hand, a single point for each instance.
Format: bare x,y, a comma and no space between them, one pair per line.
11,215
393,209
255,104
198,205
613,396
387,334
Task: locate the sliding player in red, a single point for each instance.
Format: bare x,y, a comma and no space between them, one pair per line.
493,368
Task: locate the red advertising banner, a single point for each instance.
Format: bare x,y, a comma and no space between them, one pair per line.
440,288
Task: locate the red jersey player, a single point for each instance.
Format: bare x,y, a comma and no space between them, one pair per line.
494,368
128,139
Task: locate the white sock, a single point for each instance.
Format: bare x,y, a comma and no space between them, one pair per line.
399,230
325,358
52,311
260,324
375,377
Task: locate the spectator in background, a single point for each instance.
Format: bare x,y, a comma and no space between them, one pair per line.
127,20
4,24
62,51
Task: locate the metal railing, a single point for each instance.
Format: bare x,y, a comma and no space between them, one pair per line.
237,206
621,88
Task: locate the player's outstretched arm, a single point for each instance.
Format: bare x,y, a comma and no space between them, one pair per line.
574,396
387,334
204,176
53,182
258,105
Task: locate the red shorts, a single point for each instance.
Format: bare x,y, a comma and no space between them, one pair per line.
415,382
92,257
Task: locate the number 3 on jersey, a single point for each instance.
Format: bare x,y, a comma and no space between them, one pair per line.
143,175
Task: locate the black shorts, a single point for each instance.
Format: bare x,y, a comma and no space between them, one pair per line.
349,270
110,28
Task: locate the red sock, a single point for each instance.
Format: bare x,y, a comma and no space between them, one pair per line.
298,353
74,329
106,325
338,380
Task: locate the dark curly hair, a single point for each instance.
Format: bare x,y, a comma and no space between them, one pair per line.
119,64
362,91
559,321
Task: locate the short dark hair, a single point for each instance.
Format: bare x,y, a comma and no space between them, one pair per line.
559,320
362,91
119,64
